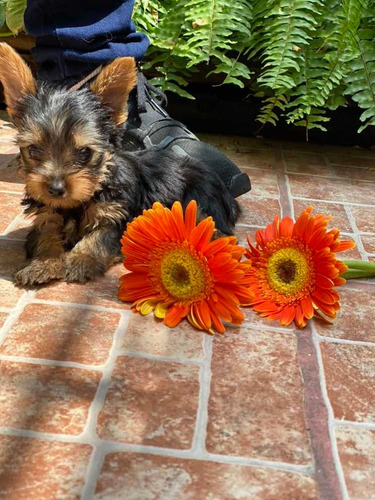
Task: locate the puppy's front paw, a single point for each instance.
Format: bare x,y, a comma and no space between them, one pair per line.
39,271
82,267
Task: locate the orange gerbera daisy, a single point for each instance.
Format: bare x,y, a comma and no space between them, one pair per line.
294,269
177,271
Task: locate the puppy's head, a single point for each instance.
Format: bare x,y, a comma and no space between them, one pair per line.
65,137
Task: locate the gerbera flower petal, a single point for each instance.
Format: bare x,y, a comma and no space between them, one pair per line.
323,282
175,315
190,217
286,227
342,246
201,235
294,269
307,307
177,272
287,315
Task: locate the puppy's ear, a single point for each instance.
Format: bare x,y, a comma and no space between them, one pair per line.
15,76
114,84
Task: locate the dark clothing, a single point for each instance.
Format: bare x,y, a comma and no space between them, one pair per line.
73,37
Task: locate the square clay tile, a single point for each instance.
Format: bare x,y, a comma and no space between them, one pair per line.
351,158
355,173
242,232
235,142
6,147
332,189
10,207
102,291
9,294
356,318
335,210
45,398
3,317
62,333
151,403
146,334
252,320
131,475
33,469
20,230
368,243
357,456
364,218
9,177
258,211
245,157
352,253
256,401
263,184
306,163
12,258
350,379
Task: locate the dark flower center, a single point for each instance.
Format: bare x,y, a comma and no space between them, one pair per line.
286,270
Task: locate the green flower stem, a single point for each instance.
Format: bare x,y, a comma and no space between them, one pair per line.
359,269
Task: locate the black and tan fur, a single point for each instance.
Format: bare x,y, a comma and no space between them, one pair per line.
81,185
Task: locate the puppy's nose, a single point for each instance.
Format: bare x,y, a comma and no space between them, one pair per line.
56,188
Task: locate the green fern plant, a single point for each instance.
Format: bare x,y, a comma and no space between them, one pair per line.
360,82
302,57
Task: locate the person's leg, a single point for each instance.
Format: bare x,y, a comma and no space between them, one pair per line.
73,37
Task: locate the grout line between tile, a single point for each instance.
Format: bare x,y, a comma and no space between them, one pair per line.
89,432
357,237
6,309
252,226
329,165
5,238
327,402
265,327
77,305
331,177
94,467
357,284
285,200
4,191
50,362
155,357
332,340
350,423
333,202
15,313
104,447
199,438
19,218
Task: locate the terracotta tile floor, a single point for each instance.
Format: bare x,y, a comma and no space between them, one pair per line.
98,403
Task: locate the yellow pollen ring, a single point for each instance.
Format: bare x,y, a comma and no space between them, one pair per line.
288,271
180,273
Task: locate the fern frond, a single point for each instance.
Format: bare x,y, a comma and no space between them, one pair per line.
146,14
339,43
289,28
267,113
211,25
360,82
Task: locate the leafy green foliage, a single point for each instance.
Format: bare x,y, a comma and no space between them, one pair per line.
302,57
360,82
11,14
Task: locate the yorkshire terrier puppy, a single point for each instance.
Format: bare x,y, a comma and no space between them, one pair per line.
81,185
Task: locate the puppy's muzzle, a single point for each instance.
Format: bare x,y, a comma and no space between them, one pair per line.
56,189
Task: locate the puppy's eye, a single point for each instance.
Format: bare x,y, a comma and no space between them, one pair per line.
84,155
34,152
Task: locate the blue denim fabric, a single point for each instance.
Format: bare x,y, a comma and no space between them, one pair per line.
73,37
